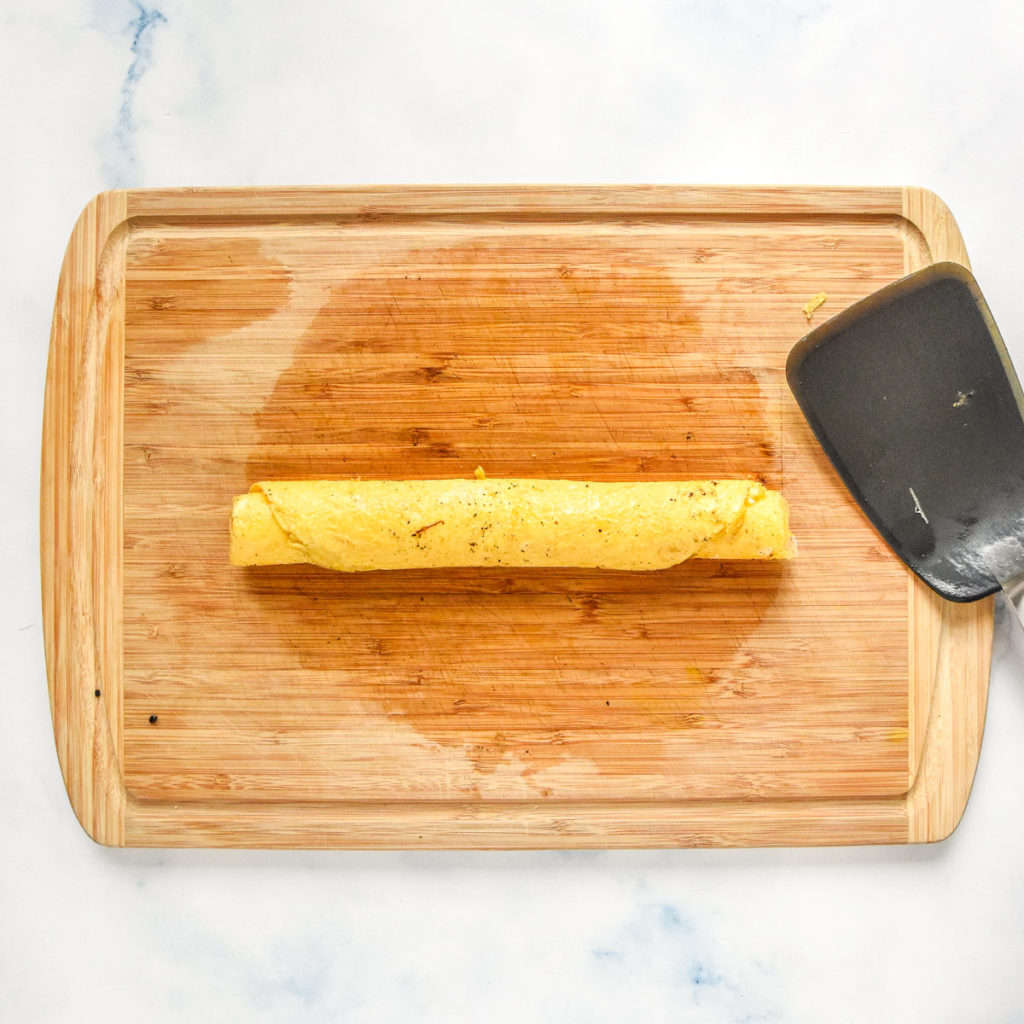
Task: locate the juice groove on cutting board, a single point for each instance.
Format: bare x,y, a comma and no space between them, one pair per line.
616,333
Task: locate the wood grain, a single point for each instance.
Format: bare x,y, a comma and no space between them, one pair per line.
204,339
80,517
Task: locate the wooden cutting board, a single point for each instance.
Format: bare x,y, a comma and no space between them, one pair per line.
206,339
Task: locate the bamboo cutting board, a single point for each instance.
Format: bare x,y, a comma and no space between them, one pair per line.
206,339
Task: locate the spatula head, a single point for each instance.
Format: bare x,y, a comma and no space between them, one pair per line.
914,399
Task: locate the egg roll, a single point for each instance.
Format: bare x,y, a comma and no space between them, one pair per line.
364,525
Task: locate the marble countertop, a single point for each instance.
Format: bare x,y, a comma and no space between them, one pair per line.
112,93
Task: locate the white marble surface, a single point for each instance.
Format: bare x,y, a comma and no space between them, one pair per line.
111,93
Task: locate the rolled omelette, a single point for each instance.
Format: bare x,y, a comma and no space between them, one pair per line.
364,525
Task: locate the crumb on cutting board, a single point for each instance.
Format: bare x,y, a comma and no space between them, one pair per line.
813,304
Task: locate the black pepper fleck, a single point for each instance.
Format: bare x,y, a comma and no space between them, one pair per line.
152,719
97,693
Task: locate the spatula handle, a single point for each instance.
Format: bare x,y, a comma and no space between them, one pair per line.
1013,588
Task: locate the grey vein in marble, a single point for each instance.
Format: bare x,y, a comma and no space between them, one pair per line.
663,946
121,169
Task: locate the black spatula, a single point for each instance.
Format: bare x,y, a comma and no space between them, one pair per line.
914,398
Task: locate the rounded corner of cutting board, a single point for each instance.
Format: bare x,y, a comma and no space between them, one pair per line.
99,218
90,772
937,798
926,211
99,825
